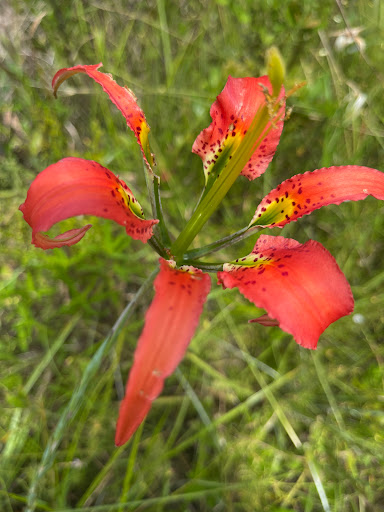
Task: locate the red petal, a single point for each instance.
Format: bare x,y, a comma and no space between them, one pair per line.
265,320
170,323
70,237
303,193
299,285
74,186
232,113
122,97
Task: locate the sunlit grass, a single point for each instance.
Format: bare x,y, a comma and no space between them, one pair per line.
250,421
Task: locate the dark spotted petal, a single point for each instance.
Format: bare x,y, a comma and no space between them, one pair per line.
301,286
122,97
232,114
170,323
304,193
74,186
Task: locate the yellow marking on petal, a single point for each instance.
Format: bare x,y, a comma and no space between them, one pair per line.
280,208
194,273
253,260
124,197
220,153
144,133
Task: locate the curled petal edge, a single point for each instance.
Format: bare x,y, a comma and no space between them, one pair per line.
122,97
74,186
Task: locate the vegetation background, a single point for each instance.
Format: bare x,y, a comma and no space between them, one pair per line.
250,421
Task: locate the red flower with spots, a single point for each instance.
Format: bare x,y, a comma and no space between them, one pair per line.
300,286
232,113
74,186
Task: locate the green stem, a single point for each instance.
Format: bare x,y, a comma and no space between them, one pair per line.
207,267
165,238
158,247
220,244
153,187
150,177
252,139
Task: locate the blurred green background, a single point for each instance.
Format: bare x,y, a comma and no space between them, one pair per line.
250,421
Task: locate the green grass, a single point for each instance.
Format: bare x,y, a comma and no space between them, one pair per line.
250,421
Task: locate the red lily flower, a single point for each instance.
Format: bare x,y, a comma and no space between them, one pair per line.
301,286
